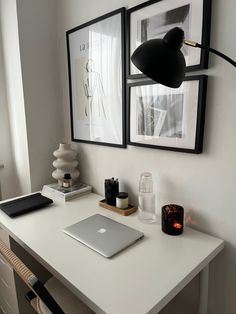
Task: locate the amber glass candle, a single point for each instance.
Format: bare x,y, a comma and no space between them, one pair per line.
172,219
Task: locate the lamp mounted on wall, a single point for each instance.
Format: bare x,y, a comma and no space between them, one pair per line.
162,60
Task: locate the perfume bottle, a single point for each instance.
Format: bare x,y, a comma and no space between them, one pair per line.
67,180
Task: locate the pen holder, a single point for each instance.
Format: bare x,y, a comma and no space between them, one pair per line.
111,191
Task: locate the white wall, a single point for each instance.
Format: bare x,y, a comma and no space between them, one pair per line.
204,184
39,45
30,64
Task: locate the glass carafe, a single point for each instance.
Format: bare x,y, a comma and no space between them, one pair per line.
146,207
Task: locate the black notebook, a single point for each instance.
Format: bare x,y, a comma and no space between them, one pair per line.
25,204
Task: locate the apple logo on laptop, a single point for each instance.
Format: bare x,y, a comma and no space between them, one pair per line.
102,230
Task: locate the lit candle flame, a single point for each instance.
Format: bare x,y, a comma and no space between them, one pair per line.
177,225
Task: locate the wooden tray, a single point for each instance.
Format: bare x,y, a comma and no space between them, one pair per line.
125,212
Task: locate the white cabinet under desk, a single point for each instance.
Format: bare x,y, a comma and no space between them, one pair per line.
141,279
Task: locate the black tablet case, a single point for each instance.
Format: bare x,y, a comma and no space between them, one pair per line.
25,204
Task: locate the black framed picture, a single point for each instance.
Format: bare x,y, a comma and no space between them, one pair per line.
167,118
96,69
153,19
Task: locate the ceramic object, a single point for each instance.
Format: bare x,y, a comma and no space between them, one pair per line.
65,163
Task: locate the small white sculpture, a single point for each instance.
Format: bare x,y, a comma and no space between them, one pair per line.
66,163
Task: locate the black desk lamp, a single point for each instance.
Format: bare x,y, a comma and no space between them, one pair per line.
162,60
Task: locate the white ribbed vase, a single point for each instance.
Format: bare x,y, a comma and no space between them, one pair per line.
65,163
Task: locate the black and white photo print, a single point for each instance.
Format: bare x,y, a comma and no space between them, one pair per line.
153,19
167,118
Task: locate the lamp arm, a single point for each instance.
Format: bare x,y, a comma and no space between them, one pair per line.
218,53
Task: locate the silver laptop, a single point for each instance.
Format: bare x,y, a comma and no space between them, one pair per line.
103,234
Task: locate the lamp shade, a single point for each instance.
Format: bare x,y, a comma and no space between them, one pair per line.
161,59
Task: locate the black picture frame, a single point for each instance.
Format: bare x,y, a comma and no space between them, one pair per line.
193,135
94,38
204,33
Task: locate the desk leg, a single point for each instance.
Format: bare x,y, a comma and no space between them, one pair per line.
203,290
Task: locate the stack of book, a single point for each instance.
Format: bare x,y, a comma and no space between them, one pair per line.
65,194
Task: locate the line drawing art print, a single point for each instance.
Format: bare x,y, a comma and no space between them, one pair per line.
94,91
96,80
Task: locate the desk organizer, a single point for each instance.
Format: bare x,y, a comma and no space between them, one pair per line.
122,211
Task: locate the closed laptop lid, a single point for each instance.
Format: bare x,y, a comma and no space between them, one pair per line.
103,234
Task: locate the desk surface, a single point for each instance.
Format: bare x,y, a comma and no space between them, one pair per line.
141,279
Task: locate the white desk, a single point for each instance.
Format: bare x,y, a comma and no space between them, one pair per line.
141,279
